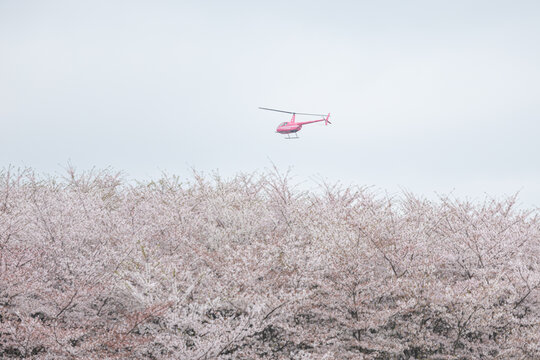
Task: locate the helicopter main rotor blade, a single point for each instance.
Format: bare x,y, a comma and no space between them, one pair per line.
286,112
291,112
310,114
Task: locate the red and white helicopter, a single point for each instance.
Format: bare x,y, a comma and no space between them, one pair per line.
292,127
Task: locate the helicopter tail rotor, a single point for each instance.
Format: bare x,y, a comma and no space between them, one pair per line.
326,121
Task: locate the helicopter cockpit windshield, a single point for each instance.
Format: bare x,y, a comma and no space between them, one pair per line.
282,124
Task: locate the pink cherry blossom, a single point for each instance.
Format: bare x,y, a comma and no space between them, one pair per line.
95,266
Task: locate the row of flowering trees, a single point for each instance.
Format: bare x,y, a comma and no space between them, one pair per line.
92,266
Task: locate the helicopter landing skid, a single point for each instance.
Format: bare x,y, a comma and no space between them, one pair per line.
289,137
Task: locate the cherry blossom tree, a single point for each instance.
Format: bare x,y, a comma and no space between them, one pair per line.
95,266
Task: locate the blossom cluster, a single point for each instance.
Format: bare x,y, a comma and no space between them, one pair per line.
94,266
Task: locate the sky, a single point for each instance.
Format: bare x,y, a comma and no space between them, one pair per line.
431,97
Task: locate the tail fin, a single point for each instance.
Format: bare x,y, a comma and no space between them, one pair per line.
326,121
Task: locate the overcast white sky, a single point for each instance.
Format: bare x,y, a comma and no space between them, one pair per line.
428,96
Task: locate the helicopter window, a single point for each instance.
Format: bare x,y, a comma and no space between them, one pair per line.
283,124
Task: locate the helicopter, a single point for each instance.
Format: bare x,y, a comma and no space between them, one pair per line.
292,127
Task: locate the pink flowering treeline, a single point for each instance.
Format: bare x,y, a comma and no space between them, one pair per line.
92,266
